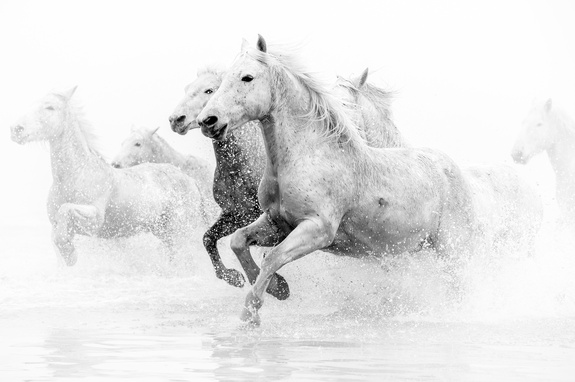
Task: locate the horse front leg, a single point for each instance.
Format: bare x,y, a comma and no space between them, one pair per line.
264,232
308,236
69,219
226,224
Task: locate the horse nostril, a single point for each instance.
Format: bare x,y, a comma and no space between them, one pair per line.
177,119
210,121
116,164
18,129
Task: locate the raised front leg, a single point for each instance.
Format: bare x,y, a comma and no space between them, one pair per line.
263,232
226,224
71,219
308,236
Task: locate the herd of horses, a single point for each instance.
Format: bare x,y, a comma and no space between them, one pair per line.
300,166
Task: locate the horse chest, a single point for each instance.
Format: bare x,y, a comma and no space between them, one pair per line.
234,188
284,203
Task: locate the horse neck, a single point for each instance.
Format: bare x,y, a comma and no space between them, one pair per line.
285,138
378,125
238,146
71,154
561,152
386,134
164,153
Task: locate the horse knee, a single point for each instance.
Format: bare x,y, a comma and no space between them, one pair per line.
209,240
238,241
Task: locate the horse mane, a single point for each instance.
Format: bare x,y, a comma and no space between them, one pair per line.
213,68
332,115
381,100
86,129
562,121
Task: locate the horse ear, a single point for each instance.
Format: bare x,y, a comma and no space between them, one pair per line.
362,79
245,45
548,105
68,93
153,131
261,44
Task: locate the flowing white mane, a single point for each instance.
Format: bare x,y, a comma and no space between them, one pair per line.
562,121
381,100
76,113
213,68
325,108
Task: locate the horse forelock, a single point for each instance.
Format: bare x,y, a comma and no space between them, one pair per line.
332,114
215,69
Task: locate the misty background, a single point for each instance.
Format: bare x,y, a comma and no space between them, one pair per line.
464,73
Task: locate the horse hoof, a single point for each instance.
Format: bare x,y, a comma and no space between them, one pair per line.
233,277
278,287
68,253
250,317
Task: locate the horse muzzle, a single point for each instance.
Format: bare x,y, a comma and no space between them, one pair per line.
215,133
213,128
18,134
519,157
180,125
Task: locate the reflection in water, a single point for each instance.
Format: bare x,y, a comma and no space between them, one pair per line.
67,356
112,346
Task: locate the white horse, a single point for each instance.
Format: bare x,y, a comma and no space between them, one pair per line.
550,129
144,145
89,197
323,184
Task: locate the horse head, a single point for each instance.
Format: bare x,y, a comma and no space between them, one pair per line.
138,148
197,95
536,134
45,120
244,94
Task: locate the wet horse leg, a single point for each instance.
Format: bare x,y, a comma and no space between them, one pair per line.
86,218
266,233
226,224
308,236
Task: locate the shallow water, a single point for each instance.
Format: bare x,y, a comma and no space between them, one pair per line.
127,312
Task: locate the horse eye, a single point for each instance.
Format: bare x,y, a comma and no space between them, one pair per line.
137,144
247,78
209,91
49,108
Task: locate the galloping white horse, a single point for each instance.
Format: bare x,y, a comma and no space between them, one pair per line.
144,145
323,184
550,129
89,197
240,163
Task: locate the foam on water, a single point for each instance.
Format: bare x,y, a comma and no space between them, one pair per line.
138,272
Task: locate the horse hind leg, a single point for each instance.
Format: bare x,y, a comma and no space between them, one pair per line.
263,232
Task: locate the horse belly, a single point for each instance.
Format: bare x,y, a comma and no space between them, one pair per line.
369,233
